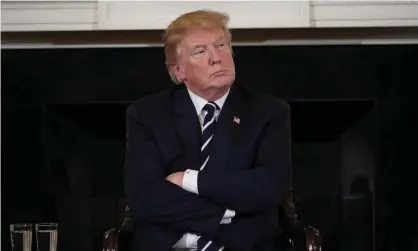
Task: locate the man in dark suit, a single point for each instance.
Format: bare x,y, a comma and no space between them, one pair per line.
207,161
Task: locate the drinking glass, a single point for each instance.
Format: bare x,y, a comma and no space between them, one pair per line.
21,236
46,236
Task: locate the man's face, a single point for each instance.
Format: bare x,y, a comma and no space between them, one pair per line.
205,61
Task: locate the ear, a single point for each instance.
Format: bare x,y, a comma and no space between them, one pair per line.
178,72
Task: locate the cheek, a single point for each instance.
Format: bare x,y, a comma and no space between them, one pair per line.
198,72
202,70
227,59
197,69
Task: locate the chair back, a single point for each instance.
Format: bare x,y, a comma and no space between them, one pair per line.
294,234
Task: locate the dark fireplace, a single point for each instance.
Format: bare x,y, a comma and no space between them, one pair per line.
353,124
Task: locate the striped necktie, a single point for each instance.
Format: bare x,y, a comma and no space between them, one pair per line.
208,130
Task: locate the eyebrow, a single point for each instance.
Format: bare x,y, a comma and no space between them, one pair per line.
197,46
219,40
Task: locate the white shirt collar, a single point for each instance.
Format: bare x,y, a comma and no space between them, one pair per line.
200,102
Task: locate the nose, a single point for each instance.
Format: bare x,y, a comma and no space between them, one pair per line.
214,56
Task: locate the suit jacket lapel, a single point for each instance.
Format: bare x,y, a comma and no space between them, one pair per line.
187,126
227,130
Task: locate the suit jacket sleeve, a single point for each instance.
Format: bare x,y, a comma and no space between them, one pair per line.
151,197
263,186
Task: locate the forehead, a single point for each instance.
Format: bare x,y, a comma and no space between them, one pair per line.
202,37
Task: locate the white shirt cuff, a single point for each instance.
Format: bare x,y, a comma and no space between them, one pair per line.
188,241
229,214
226,221
190,181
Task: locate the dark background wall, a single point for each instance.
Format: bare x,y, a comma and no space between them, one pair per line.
353,114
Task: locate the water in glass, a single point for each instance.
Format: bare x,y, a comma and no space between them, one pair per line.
21,237
46,236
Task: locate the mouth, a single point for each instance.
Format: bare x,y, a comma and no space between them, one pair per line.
219,73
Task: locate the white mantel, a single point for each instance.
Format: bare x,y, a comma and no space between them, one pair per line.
98,15
156,15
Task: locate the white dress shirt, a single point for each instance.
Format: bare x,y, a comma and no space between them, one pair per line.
188,240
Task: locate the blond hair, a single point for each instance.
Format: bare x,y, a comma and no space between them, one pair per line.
186,23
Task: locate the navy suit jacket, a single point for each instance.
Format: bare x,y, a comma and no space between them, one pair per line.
249,170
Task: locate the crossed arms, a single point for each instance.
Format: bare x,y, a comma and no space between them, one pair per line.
157,199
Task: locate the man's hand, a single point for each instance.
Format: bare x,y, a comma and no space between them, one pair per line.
176,178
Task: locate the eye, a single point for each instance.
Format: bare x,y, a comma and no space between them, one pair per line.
198,52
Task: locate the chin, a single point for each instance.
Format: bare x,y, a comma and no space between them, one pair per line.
222,82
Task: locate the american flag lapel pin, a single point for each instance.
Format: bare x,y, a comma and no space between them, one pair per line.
236,120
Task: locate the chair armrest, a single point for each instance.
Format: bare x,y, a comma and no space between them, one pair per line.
299,236
313,239
300,239
111,240
117,240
